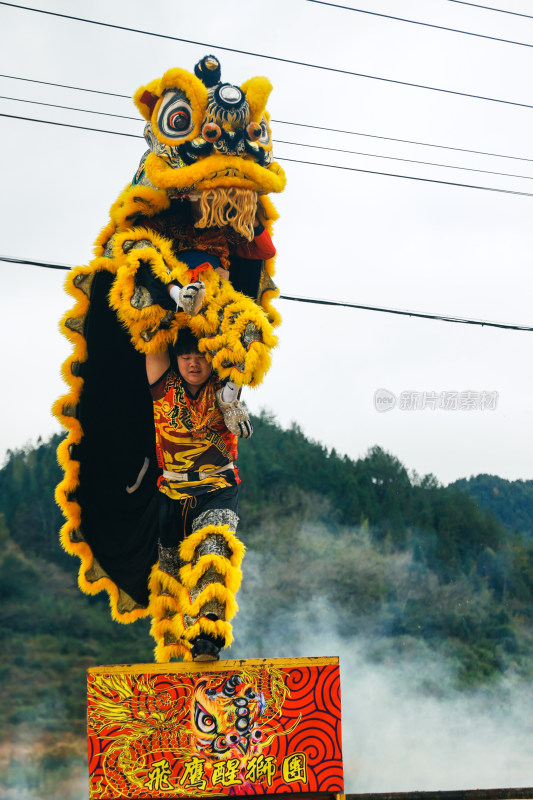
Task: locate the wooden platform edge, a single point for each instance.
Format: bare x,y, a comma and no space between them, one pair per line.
212,666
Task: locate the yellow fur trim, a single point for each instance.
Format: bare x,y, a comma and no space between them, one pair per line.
221,339
151,328
213,591
247,174
257,91
219,628
163,653
229,568
64,410
136,201
174,79
160,582
103,237
189,545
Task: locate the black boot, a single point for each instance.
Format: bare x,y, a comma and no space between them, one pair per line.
204,649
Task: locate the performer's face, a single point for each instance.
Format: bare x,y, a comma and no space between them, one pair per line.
194,369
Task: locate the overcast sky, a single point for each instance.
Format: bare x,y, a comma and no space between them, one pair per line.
342,234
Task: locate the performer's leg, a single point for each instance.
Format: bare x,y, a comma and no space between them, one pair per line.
193,586
211,573
167,595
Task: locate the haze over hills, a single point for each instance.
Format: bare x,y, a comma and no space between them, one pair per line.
357,557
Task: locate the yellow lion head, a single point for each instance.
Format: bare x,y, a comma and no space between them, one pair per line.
206,135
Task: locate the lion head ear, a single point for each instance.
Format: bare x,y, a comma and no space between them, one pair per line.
257,91
146,97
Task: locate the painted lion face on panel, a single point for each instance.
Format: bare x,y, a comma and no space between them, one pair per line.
226,719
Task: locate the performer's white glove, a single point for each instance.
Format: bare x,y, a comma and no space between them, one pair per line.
235,416
190,298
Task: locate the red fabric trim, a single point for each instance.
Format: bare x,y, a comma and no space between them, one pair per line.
194,274
260,248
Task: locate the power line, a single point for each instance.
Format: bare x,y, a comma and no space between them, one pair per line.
270,58
423,24
403,141
70,108
440,317
66,125
280,122
489,8
408,177
64,86
32,263
406,160
293,160
294,144
316,301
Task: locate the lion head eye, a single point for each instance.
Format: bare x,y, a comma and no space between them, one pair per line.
256,735
264,138
175,116
205,722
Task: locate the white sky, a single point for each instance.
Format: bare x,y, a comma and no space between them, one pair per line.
342,235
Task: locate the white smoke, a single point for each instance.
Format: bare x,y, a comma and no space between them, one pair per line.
406,727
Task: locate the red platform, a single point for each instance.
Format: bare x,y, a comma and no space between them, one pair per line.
266,726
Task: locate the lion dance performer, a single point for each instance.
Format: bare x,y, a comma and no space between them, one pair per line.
183,270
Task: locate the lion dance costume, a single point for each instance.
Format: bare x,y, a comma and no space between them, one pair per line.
209,143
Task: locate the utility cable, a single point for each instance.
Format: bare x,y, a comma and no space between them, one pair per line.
316,301
295,144
400,312
286,122
270,58
294,160
70,108
490,8
407,177
67,125
423,24
65,86
403,141
405,160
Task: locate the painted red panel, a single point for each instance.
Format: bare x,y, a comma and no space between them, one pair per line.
250,728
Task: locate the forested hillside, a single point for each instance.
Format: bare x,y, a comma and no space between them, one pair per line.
381,553
511,502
